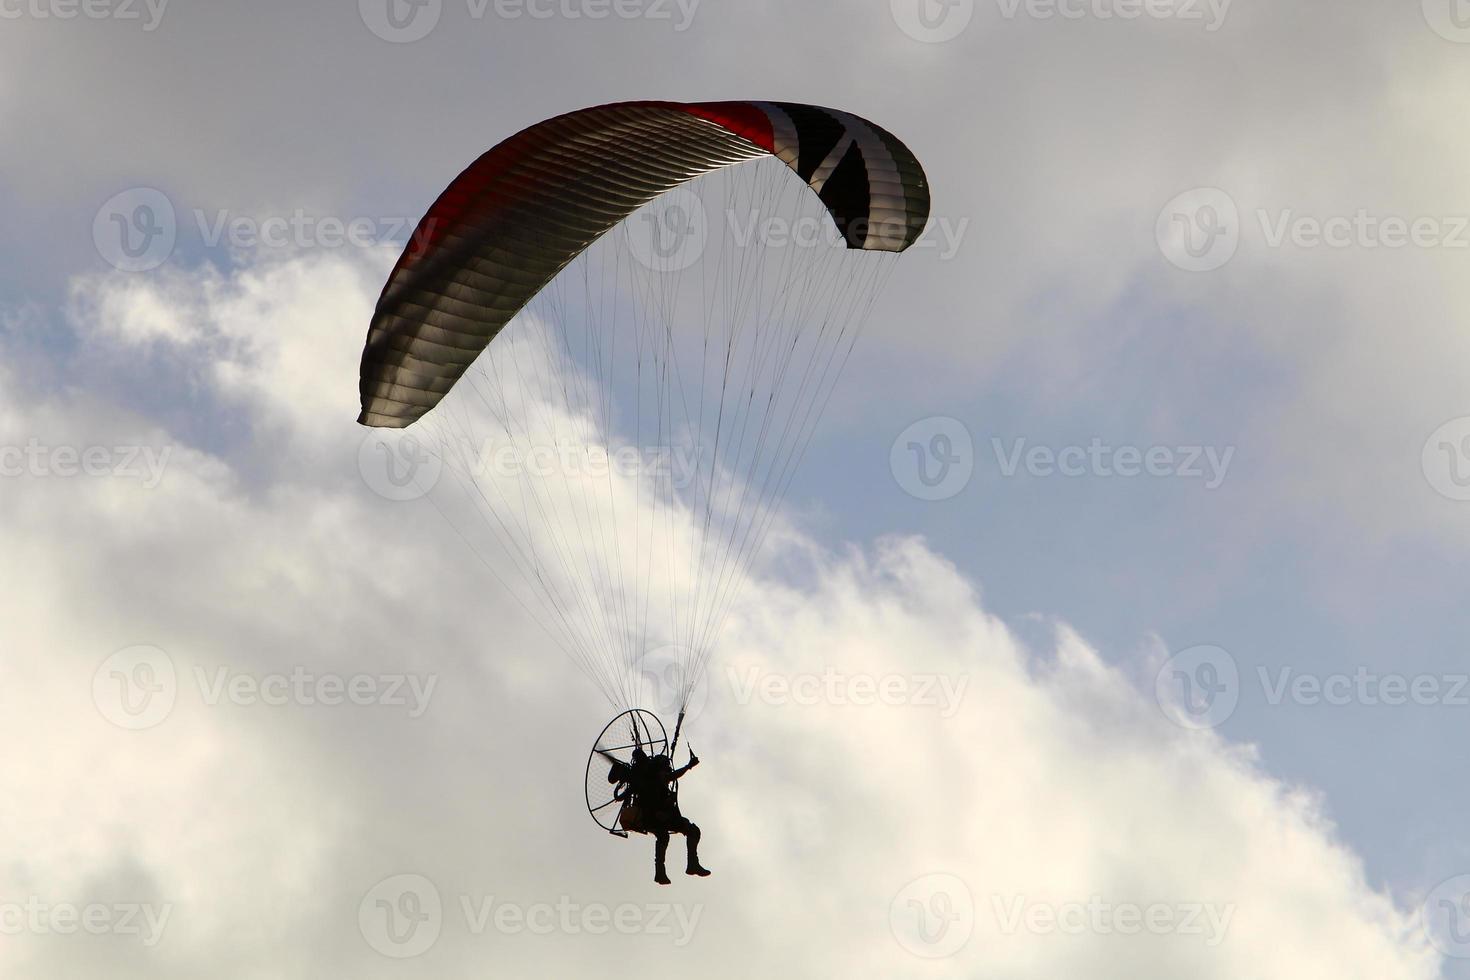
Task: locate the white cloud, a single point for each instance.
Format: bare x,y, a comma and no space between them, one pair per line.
135,311
1054,781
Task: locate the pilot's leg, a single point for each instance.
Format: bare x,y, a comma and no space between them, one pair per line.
690,831
660,848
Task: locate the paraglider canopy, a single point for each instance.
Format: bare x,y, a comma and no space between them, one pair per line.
511,221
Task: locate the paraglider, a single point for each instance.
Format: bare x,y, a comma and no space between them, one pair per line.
618,330
645,792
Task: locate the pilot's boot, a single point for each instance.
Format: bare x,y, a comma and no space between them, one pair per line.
660,849
694,867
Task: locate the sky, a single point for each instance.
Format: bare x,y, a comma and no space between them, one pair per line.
1114,621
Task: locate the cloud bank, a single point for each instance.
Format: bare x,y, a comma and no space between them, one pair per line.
296,731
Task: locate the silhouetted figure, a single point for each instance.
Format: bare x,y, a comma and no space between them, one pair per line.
651,806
